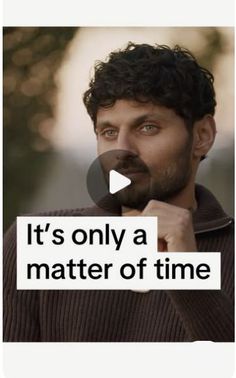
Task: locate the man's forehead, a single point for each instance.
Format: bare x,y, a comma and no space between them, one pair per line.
130,110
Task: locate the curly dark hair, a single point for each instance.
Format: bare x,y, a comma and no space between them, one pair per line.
166,76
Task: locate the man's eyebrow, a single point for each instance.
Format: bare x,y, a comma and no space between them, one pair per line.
134,122
103,124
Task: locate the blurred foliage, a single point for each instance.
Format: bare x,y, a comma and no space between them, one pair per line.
215,45
32,55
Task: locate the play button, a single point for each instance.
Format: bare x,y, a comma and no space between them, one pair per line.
118,178
117,181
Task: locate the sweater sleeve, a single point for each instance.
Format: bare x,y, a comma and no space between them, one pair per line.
207,314
20,307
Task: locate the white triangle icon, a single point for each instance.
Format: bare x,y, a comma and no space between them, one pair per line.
117,181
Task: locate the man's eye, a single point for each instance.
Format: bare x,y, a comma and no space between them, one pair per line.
109,133
149,129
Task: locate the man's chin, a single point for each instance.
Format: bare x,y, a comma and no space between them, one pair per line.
139,198
133,199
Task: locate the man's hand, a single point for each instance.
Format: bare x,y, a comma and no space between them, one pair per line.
175,228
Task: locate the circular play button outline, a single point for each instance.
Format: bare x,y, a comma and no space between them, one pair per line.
113,175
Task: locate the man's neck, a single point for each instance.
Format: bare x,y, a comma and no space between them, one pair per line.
185,198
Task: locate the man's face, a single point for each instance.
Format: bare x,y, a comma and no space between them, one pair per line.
150,145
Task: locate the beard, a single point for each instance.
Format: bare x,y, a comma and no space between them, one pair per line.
159,183
162,186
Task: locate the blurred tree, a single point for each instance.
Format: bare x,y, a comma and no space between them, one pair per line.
215,45
32,55
223,186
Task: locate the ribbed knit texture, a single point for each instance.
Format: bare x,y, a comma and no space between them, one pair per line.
113,315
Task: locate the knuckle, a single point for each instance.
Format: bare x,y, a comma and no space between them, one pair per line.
151,204
184,218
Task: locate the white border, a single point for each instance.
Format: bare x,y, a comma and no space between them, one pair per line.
119,360
118,13
116,360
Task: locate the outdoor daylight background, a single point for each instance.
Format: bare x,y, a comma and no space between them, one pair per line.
48,137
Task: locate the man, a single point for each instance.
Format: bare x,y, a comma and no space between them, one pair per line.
154,106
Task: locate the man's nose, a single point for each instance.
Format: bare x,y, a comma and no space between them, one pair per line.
124,155
125,142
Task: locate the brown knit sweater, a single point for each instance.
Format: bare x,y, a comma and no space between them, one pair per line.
118,315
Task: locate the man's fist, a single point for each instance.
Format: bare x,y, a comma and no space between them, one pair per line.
175,227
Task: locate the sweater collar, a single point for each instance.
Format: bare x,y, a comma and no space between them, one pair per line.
208,216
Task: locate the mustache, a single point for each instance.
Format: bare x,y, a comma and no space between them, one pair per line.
129,165
122,161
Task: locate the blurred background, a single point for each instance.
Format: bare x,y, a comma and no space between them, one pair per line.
48,137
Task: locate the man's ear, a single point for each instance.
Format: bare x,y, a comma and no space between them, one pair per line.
204,132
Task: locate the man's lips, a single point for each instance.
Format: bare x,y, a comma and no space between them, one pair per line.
130,171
